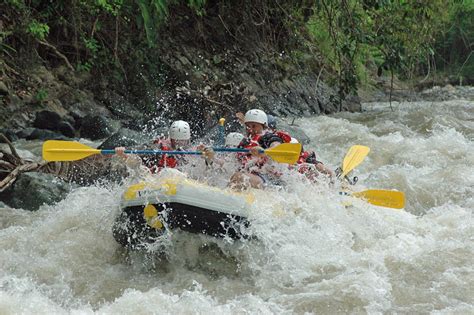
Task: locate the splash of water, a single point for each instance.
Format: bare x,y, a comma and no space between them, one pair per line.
310,254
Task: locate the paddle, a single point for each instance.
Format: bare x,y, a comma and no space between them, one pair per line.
282,153
221,138
57,150
354,157
384,198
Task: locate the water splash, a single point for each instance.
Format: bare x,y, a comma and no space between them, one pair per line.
311,254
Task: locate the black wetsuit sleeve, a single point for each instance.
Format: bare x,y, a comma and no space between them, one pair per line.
267,139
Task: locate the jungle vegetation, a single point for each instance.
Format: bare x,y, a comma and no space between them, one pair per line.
349,40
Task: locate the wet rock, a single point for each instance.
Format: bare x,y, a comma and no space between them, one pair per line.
32,190
47,120
25,133
10,134
119,106
293,130
66,129
96,127
126,138
43,134
3,88
352,104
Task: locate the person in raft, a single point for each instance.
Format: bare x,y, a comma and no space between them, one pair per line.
307,162
178,140
255,167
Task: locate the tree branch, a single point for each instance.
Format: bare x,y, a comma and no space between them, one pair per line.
57,52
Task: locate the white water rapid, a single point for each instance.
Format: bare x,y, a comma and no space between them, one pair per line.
312,254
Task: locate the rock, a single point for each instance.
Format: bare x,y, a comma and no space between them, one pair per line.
10,134
3,88
47,120
66,129
43,134
32,190
96,127
25,133
294,131
352,103
126,138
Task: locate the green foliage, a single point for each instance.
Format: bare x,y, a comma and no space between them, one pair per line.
41,95
84,66
110,6
454,48
153,13
357,36
38,30
92,44
405,31
197,6
350,39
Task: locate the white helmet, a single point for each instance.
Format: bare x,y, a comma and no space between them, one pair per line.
294,140
180,130
233,139
256,115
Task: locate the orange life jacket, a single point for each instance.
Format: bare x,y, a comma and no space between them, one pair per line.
164,160
263,140
248,143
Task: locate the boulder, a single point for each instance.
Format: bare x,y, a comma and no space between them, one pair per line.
10,134
293,130
96,127
66,129
126,138
43,134
32,190
47,120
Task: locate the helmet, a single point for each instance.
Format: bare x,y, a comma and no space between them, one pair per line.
180,130
233,139
272,122
294,140
256,115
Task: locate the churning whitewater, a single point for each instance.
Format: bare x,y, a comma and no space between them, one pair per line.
310,253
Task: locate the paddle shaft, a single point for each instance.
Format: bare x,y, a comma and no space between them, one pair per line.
106,151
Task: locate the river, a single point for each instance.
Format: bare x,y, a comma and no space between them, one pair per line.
312,255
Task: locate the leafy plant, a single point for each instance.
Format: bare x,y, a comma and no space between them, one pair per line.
38,30
41,95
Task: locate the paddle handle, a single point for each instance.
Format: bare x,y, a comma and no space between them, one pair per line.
221,139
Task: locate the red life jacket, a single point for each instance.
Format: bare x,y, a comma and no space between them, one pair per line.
285,136
248,143
165,160
306,160
304,156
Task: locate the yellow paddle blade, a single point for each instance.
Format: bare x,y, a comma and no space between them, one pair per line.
285,153
56,150
383,198
354,157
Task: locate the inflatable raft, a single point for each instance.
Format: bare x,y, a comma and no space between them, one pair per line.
148,209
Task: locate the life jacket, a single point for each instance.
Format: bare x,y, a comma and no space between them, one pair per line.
263,140
306,162
285,136
308,157
156,163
